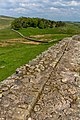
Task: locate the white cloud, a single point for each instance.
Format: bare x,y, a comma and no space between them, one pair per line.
54,9
14,1
29,5
74,3
45,1
41,8
66,3
19,10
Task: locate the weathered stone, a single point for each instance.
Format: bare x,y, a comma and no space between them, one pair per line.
37,108
45,89
0,95
76,37
19,114
29,118
5,88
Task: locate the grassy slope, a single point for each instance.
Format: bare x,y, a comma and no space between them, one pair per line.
69,29
7,33
5,20
12,57
56,33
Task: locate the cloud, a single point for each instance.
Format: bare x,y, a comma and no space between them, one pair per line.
66,3
54,9
20,10
29,5
51,9
74,3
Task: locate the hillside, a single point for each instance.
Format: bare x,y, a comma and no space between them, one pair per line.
16,51
5,21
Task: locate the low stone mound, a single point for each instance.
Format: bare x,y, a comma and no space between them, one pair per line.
76,37
48,88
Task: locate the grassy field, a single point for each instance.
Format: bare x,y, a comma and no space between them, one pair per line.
69,29
12,57
7,33
5,22
53,33
16,54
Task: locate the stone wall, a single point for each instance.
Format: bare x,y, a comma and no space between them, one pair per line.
48,88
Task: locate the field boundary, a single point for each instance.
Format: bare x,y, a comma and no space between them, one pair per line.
28,38
44,85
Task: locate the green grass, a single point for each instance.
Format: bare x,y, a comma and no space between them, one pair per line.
56,33
37,31
13,57
69,29
5,20
53,37
8,34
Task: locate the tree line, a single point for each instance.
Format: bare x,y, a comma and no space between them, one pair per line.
23,22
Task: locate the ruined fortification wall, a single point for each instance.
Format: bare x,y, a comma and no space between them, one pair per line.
48,88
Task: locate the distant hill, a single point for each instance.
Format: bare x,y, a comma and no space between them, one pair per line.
5,21
2,16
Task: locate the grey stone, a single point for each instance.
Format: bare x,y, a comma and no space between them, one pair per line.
47,88
76,37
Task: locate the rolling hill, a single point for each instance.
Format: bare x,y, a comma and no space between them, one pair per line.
5,21
16,51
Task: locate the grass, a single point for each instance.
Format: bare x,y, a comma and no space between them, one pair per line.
69,29
37,31
4,21
53,37
7,34
56,33
14,56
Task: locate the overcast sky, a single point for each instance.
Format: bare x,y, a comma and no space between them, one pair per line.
65,10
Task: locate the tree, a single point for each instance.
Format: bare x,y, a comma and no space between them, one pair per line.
24,22
41,25
59,24
16,25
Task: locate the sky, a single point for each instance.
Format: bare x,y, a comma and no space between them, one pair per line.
64,10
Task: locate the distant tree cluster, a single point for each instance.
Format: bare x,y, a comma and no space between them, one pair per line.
24,22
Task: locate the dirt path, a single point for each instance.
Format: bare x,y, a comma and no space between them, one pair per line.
4,26
8,42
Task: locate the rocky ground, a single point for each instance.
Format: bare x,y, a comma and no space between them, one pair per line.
48,88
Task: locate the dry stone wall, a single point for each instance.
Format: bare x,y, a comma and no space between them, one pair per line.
48,88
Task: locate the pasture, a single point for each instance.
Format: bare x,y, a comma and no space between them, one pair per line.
16,51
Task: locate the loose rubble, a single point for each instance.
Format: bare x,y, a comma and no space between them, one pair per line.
48,88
